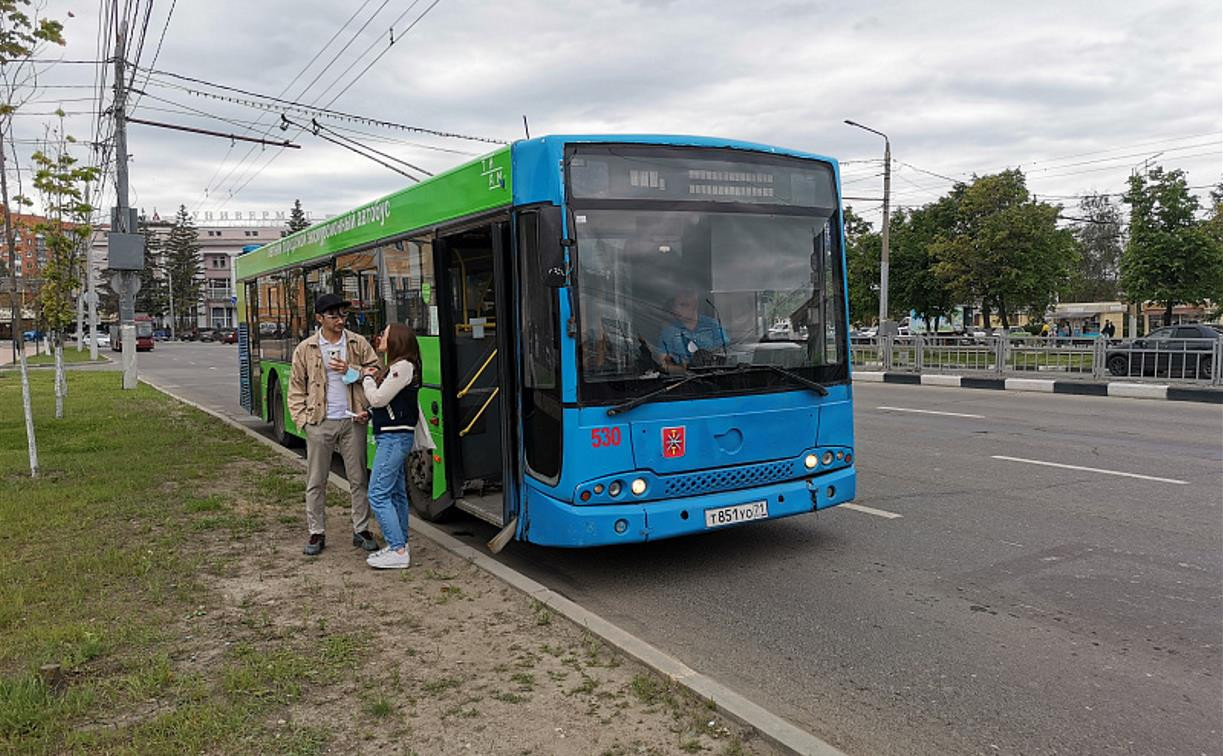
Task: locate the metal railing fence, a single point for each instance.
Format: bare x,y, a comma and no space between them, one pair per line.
1183,360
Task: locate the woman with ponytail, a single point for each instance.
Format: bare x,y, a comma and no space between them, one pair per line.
394,410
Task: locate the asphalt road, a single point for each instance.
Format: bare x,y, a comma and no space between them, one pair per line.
1013,606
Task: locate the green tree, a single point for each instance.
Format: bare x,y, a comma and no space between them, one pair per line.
184,265
914,235
66,233
862,250
1172,257
297,219
152,299
1099,236
22,36
1005,249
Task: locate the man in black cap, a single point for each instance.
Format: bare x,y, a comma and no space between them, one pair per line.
327,403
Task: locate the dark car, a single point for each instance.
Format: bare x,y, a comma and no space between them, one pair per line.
225,336
205,334
1176,351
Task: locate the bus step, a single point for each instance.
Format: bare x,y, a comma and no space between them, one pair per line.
488,507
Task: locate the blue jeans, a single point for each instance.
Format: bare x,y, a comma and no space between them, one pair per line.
388,492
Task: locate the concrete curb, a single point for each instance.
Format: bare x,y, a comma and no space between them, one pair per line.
773,728
1049,386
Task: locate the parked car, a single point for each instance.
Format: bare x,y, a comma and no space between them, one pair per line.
34,335
225,336
204,334
1177,351
102,339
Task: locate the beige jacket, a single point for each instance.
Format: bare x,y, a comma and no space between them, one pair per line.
308,378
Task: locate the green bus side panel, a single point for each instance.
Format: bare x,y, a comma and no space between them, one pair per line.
469,189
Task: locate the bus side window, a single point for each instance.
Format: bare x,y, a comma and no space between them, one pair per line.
541,397
271,318
356,280
299,314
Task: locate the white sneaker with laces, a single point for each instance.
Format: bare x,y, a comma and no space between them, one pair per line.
388,559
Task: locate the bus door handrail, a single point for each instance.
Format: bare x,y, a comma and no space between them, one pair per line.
480,412
467,389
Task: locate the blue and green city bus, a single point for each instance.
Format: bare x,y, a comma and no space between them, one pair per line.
625,338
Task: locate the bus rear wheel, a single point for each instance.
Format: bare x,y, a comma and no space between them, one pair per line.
420,488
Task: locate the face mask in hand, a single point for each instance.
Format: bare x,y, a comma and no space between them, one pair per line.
351,375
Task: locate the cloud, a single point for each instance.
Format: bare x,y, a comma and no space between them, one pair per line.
960,87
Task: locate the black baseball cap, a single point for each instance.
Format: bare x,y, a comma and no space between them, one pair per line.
330,302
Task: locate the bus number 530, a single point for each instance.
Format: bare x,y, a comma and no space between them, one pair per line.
604,437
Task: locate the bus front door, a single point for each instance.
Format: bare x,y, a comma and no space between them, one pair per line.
478,318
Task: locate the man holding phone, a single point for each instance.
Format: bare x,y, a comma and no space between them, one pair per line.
327,402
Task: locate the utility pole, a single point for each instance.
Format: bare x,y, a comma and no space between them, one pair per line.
886,327
125,247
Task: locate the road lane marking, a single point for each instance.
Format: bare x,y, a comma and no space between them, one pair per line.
931,412
871,511
1091,469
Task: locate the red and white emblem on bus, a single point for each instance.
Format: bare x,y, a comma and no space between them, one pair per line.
673,442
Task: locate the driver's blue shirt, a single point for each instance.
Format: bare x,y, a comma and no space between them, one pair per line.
680,342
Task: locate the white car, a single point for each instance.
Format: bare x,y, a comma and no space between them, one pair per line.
103,340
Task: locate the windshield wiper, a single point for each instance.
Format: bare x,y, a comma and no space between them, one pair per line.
746,367
625,406
698,373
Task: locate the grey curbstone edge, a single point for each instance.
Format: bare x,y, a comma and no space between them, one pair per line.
773,728
1048,386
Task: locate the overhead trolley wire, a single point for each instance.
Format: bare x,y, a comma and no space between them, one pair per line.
353,81
305,109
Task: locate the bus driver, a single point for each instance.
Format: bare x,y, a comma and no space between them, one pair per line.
690,337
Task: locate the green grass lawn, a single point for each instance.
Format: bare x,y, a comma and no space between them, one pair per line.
71,356
101,559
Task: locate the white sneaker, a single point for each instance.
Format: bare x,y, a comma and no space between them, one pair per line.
387,559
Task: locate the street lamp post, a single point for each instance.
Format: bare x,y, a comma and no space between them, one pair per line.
885,326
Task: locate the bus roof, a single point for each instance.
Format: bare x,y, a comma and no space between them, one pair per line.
482,184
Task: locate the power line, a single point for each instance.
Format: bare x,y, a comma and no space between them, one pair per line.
352,149
317,126
207,132
385,50
344,49
330,102
305,109
268,130
157,52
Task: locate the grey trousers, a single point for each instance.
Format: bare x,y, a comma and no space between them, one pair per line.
322,440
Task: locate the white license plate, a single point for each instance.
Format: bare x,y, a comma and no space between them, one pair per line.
757,510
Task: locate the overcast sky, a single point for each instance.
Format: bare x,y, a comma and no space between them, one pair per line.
1075,93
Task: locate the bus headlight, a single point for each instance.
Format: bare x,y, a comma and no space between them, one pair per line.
637,486
811,461
614,488
828,458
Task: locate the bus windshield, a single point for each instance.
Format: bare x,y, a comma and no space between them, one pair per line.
664,292
692,261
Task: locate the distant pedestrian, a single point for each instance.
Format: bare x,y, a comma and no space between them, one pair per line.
1045,330
1109,330
395,411
328,403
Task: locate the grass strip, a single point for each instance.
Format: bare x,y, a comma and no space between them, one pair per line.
101,559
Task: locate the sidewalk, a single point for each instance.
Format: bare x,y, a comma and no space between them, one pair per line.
1124,389
175,599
